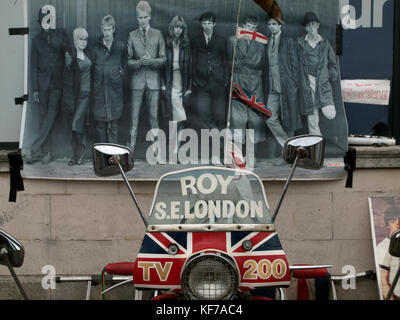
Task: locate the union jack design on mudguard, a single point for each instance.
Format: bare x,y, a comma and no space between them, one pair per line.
264,265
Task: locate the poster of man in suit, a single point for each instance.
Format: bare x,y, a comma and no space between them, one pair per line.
209,73
50,52
234,72
282,83
146,57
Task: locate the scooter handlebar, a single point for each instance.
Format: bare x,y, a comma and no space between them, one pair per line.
121,268
310,273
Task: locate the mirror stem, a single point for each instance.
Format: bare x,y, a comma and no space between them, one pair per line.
4,257
285,187
132,194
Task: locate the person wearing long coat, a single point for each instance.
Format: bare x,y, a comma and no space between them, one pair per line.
110,61
177,76
281,84
247,73
76,93
317,71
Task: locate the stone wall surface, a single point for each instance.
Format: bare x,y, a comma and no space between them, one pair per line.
80,226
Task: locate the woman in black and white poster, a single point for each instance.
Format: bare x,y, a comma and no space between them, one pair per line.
76,93
178,76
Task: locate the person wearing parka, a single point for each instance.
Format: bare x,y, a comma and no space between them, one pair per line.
250,56
318,96
77,92
110,61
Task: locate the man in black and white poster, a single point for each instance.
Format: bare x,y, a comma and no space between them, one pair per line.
282,83
250,57
146,57
209,74
109,56
317,69
49,53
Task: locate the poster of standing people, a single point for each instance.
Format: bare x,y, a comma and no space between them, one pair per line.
178,81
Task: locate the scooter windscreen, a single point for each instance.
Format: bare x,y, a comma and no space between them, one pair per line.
210,199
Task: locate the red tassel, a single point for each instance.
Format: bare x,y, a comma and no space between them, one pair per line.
302,290
272,8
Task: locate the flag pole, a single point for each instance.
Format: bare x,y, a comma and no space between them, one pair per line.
228,122
228,135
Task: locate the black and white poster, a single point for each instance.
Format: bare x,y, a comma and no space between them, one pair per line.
180,82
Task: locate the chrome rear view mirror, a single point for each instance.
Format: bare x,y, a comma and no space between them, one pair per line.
308,149
394,246
12,255
302,151
107,158
112,159
14,248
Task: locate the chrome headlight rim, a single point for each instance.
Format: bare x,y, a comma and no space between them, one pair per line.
190,294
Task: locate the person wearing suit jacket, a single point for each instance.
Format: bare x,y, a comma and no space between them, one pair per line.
209,76
109,64
282,84
50,52
249,62
146,58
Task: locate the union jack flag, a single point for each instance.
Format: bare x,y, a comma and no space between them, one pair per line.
266,246
245,97
155,244
243,33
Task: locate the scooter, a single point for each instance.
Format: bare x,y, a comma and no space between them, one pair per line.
210,233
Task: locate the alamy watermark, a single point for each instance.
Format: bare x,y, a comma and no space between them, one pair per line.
49,280
349,281
211,147
371,14
49,17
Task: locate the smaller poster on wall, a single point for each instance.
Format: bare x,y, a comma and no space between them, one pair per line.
366,91
385,219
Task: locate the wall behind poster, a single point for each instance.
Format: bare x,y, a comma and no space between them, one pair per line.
12,84
368,54
88,13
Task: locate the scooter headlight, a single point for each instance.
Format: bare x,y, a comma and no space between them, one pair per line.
209,277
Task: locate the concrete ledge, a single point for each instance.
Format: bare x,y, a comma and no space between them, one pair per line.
4,166
377,157
367,157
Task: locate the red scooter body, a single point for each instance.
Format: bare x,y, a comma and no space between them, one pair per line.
264,265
